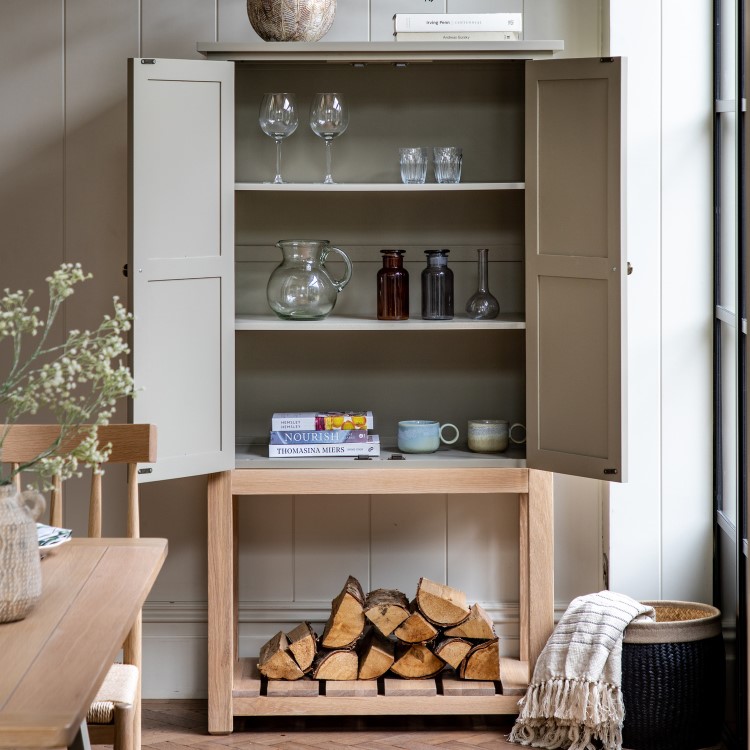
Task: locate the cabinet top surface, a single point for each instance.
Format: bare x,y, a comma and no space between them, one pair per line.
379,51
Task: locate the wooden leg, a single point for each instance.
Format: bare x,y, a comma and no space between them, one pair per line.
133,654
236,577
125,724
221,647
523,577
540,562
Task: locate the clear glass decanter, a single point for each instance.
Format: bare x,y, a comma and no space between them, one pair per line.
300,287
482,305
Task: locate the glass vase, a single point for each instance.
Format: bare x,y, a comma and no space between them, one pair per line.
482,305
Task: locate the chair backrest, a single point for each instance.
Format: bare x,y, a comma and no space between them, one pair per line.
131,444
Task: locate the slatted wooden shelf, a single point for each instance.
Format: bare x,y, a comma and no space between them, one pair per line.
254,695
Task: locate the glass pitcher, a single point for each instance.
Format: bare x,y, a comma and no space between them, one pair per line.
300,288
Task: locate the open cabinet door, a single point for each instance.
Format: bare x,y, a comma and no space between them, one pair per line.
181,257
575,268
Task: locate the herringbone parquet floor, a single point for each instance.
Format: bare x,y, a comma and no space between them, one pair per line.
178,724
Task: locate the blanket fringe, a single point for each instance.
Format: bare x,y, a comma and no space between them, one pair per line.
572,714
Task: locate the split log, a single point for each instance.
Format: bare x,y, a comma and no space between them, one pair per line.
417,662
416,628
386,609
452,651
482,662
376,656
340,664
442,605
275,660
477,625
303,643
347,620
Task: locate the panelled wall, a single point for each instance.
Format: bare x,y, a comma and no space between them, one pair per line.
63,197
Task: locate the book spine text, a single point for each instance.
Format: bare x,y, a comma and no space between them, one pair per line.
341,450
458,22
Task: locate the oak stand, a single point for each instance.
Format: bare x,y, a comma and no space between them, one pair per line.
232,688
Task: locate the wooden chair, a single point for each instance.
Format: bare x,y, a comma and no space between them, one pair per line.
115,715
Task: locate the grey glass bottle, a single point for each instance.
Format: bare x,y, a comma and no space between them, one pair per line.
437,287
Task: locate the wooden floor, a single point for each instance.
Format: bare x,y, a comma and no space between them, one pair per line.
172,725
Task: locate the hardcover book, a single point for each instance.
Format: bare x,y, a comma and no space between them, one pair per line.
329,420
458,22
371,447
457,36
317,437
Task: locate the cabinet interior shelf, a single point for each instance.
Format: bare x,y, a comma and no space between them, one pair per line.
383,187
504,321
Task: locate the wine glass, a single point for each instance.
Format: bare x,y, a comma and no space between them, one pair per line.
329,118
278,119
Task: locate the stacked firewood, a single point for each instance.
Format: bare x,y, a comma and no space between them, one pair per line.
367,636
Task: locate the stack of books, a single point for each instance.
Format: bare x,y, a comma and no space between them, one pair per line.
334,434
457,27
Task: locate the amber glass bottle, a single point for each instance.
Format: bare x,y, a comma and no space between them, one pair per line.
393,287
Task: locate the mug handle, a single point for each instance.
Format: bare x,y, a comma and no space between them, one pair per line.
510,433
442,427
342,282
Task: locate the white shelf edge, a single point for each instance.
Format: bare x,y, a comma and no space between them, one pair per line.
378,187
506,322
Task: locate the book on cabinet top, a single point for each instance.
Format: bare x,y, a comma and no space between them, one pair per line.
458,22
328,420
317,437
457,36
371,447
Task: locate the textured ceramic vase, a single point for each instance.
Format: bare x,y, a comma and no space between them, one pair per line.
20,568
291,20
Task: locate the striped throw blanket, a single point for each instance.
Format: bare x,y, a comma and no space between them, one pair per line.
574,699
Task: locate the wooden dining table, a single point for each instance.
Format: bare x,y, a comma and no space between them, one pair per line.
53,661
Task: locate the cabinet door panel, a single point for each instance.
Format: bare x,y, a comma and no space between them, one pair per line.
181,261
575,268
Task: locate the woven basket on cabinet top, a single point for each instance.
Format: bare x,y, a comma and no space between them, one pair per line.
673,679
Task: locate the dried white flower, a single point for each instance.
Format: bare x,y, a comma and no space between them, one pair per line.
51,376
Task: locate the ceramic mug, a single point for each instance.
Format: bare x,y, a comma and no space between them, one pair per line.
492,435
423,435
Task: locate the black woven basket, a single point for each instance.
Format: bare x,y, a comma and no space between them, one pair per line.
673,679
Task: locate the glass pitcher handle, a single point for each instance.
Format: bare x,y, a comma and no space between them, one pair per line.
342,282
33,502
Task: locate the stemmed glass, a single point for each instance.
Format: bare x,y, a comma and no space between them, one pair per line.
329,118
278,119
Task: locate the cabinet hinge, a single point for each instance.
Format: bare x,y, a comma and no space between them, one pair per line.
145,470
148,61
363,458
396,457
607,59
125,270
610,471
